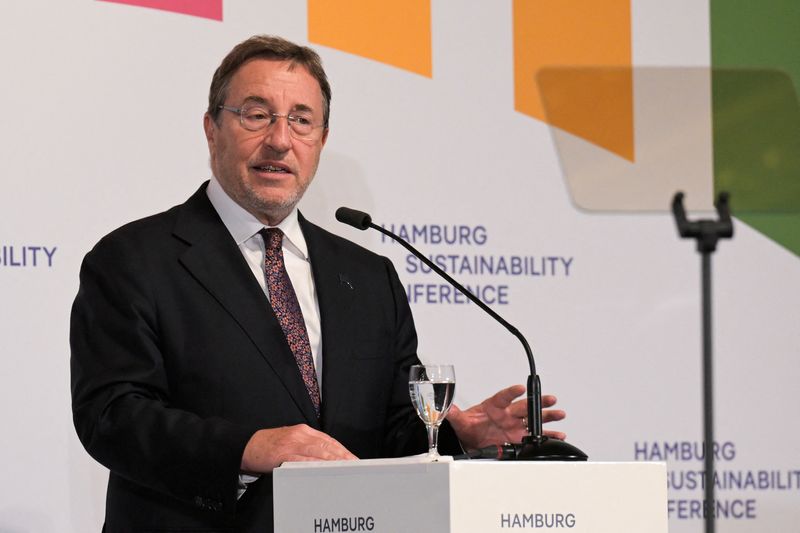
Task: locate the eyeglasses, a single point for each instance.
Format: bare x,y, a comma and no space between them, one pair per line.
257,118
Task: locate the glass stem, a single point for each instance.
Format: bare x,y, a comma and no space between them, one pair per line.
433,440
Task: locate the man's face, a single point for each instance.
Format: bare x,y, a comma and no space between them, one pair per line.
266,172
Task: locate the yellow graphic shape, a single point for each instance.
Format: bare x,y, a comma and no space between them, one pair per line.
552,38
395,32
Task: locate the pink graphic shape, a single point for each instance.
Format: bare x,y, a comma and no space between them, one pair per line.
210,9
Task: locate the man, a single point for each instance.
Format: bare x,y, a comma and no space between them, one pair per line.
207,350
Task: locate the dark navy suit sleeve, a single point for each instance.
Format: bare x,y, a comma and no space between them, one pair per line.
123,405
407,434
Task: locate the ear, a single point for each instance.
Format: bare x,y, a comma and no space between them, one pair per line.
324,137
210,128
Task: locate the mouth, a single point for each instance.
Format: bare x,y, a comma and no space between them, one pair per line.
271,168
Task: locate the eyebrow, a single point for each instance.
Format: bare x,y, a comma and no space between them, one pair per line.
265,102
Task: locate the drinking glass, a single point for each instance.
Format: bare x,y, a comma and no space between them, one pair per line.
431,388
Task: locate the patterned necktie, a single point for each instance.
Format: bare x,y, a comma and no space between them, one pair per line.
287,309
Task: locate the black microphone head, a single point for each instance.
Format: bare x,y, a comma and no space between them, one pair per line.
357,219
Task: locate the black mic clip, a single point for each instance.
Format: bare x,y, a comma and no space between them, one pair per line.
706,231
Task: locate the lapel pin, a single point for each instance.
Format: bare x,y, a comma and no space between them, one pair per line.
345,281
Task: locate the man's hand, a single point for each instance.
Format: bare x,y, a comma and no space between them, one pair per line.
500,419
267,449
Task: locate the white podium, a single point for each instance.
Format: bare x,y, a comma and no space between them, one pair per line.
410,495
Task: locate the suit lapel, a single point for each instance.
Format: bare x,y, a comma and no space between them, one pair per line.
215,261
336,292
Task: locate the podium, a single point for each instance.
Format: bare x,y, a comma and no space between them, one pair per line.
416,496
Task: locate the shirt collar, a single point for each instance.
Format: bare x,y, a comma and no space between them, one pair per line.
242,225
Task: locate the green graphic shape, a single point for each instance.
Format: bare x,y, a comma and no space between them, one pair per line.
755,54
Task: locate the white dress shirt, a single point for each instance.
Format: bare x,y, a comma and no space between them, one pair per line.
244,228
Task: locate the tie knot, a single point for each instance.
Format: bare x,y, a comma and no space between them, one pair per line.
273,238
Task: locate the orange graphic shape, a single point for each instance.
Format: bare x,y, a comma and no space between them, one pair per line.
394,32
572,68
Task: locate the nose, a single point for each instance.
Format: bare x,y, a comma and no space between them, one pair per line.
277,135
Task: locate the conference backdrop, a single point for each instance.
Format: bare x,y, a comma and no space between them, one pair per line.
531,148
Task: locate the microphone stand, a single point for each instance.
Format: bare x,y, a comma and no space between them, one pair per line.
536,446
706,233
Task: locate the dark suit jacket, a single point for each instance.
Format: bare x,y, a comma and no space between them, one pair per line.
177,359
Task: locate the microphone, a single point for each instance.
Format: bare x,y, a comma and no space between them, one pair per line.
357,219
536,446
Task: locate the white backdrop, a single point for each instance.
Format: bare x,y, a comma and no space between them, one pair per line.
102,124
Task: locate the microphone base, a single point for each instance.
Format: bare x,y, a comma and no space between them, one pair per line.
547,449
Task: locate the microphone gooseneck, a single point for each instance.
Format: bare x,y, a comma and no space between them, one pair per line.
536,445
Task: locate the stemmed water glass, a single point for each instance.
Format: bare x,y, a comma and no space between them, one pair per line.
431,388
